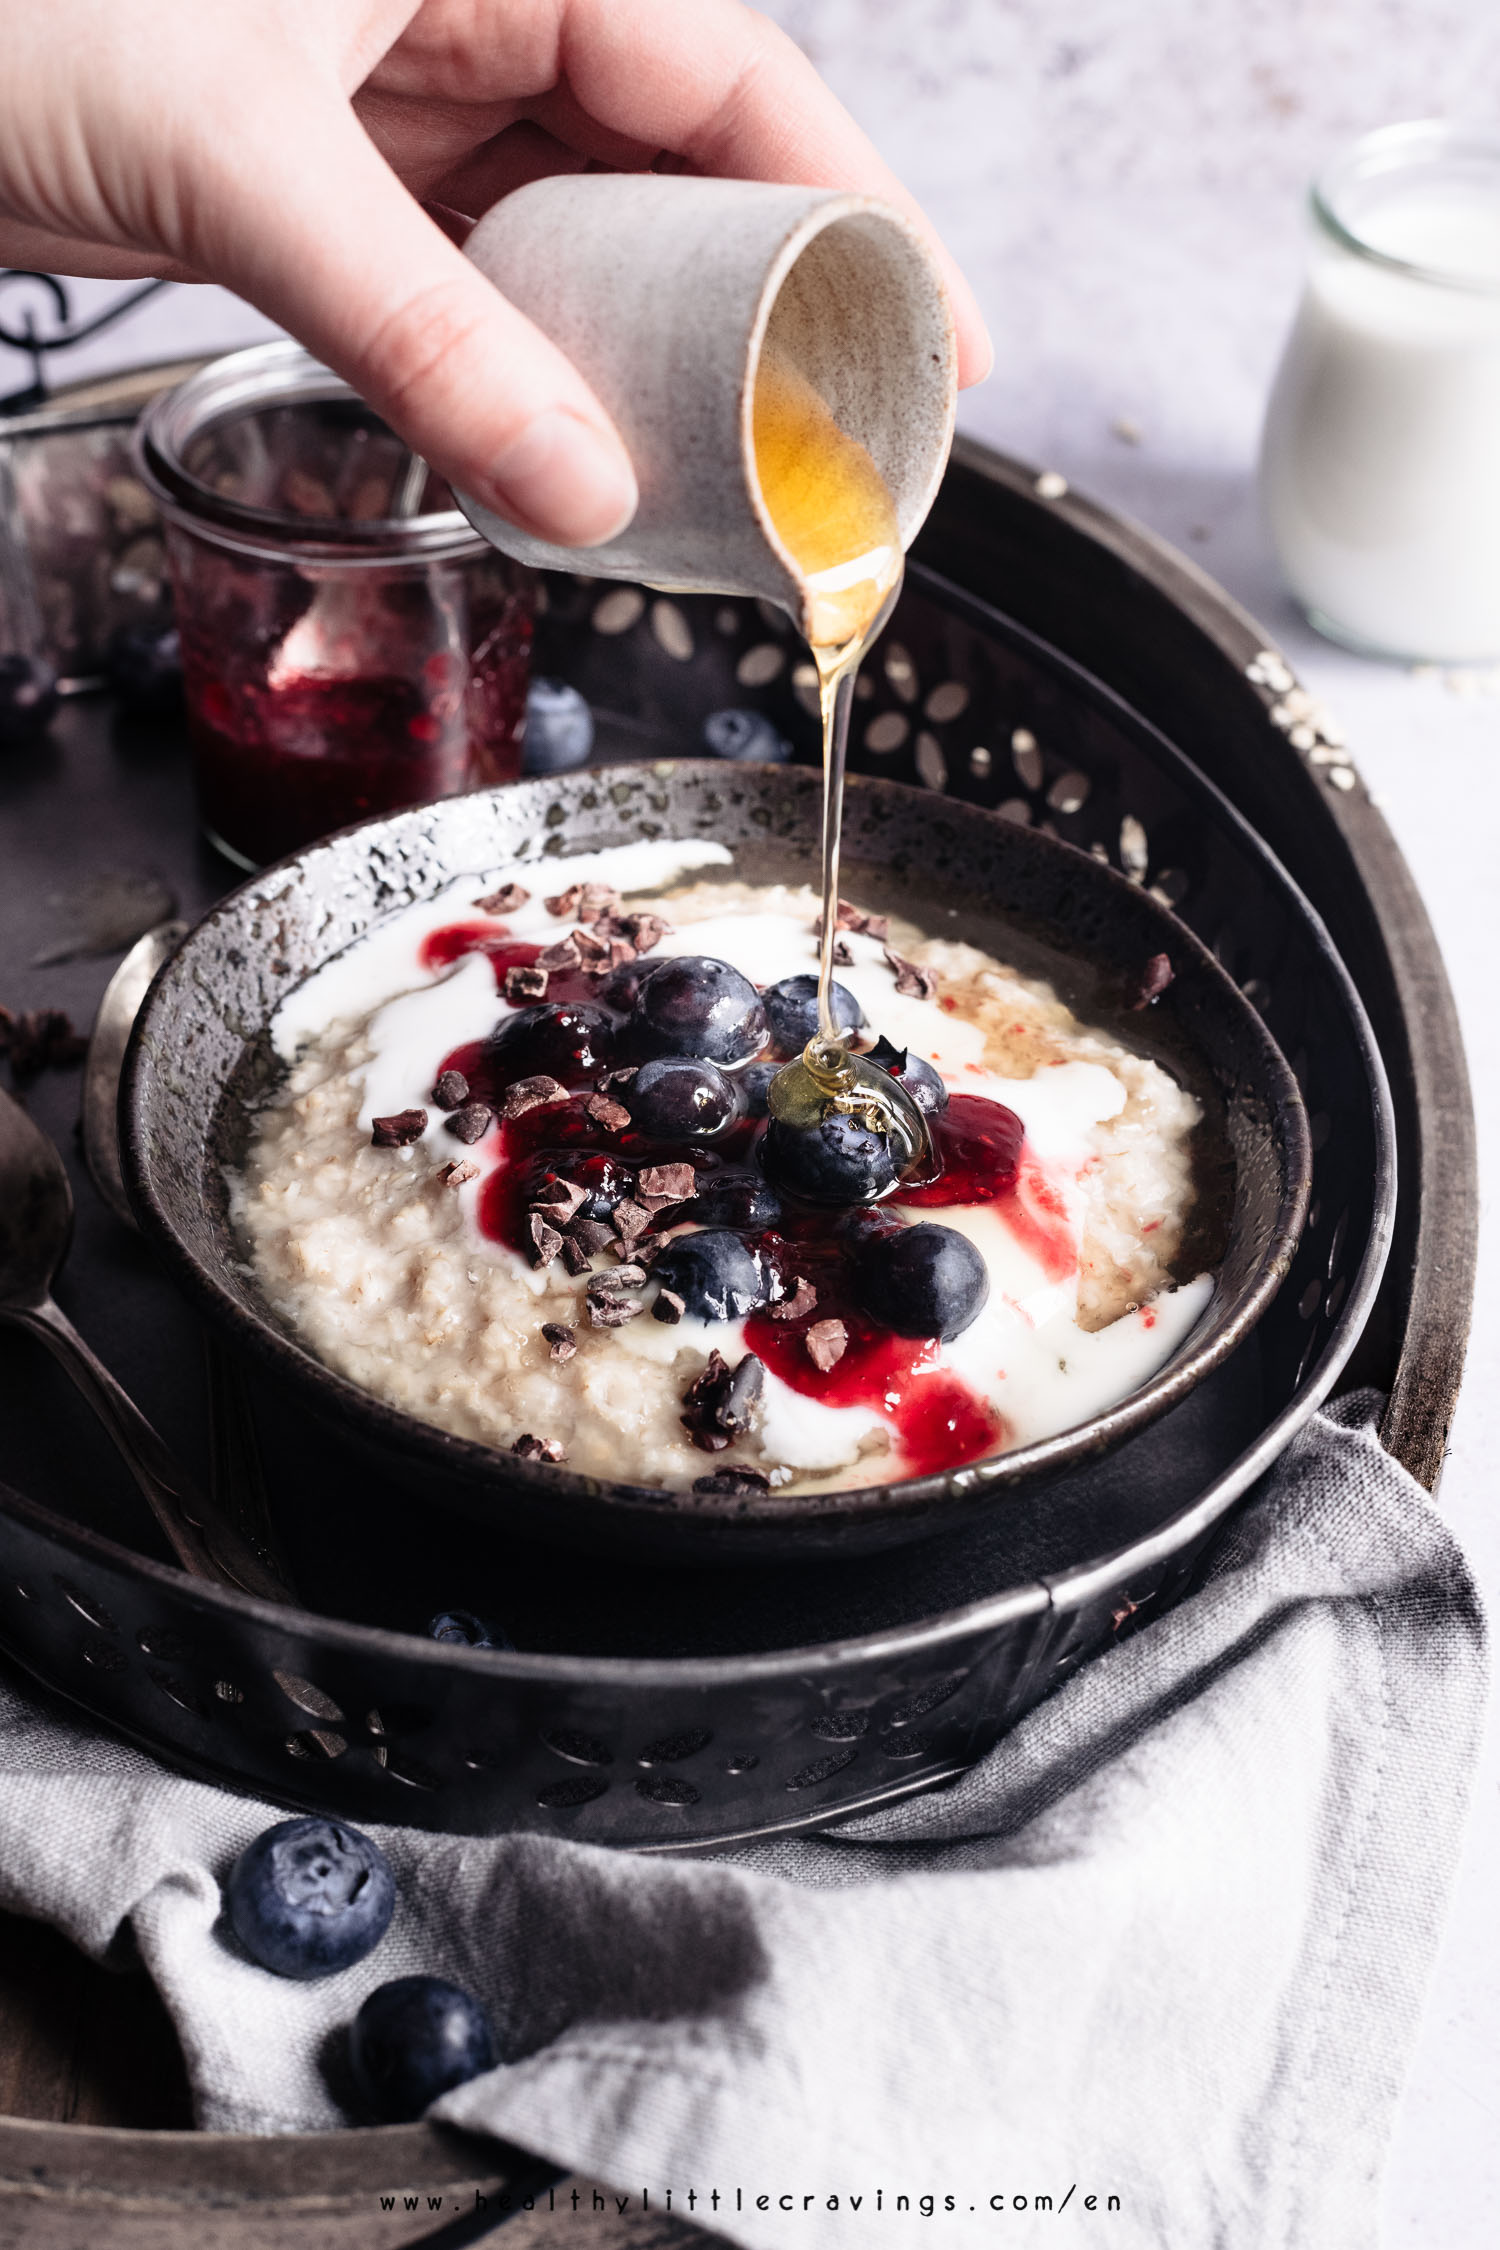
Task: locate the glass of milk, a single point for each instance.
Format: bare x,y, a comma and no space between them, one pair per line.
1380,463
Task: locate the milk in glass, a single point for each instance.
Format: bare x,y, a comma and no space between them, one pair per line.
1380,464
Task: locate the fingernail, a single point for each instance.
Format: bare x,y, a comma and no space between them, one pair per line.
565,480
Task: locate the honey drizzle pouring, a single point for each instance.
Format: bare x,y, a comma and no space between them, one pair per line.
835,516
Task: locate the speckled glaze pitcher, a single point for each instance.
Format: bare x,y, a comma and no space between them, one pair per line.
663,292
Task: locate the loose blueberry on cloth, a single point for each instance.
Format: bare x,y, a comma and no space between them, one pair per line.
1167,1941
310,1897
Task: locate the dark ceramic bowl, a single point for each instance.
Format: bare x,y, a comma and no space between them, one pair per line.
201,1061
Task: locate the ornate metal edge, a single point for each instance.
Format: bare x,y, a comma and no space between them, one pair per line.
1406,990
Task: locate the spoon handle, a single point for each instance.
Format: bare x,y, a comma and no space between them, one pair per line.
236,1477
204,1546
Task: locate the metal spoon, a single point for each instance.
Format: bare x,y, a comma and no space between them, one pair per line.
236,1480
36,1223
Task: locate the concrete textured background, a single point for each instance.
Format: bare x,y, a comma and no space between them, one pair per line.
1123,180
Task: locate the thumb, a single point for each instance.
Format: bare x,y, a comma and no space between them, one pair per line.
326,241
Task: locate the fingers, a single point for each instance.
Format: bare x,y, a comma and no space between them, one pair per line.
329,243
38,250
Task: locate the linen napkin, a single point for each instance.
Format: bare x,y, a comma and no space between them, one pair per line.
1151,1970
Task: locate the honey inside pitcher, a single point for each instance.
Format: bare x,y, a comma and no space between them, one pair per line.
834,514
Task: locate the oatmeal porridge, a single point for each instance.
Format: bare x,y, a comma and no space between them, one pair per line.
521,1183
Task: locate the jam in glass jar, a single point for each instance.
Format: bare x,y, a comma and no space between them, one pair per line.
349,643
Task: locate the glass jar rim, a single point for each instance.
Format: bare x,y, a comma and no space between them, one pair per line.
264,375
1392,149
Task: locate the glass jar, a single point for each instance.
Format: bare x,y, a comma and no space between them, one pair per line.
1380,464
349,643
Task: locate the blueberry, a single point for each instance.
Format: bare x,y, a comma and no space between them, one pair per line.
792,1008
463,1627
416,2038
310,1897
570,1041
838,1160
692,1005
28,697
715,1273
145,667
559,730
745,735
754,1083
622,987
925,1281
678,1098
734,1198
922,1082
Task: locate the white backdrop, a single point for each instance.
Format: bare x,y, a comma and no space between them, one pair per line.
1123,182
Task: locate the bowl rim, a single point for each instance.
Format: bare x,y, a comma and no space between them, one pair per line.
942,1499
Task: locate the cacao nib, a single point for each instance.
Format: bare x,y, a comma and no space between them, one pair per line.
613,1116
562,956
451,1090
669,1306
545,1241
733,1483
630,1219
574,1256
530,1093
561,1342
912,982
471,1123
530,1448
722,1403
826,1341
562,1202
613,1312
1155,977
668,1183
399,1131
522,985
509,899
454,1175
591,1235
801,1301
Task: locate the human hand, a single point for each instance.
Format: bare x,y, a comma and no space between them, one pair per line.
287,149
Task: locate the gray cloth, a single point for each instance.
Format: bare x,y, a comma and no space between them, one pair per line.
1167,1943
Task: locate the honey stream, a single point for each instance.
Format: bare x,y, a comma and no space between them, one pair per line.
835,516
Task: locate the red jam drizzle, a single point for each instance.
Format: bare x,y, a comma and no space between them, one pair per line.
936,1421
441,948
980,1148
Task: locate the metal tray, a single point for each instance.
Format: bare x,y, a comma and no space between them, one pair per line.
671,1709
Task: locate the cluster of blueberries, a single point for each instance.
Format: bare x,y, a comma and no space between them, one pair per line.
699,1046
559,732
311,1897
